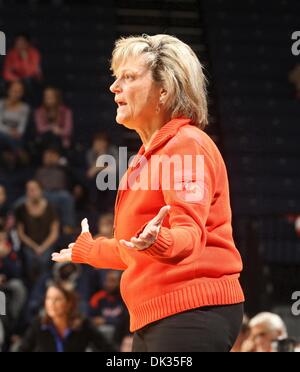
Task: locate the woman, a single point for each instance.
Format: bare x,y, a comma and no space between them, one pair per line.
175,244
54,121
23,61
62,329
14,114
38,230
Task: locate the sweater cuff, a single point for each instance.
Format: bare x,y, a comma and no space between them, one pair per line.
163,242
82,248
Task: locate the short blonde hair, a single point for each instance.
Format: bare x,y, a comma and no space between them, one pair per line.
176,67
271,321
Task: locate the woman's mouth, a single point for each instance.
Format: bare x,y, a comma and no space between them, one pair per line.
121,103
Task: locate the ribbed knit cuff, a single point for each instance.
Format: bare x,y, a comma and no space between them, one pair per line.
163,242
82,248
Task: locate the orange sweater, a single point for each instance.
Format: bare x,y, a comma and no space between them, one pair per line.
194,261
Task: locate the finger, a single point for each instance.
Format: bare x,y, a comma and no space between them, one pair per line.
150,231
85,226
145,234
162,214
57,257
65,251
142,243
71,245
154,230
126,244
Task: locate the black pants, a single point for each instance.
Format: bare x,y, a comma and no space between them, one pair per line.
207,329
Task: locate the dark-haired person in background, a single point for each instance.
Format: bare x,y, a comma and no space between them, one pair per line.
55,181
62,328
107,308
14,115
104,199
23,61
54,120
38,230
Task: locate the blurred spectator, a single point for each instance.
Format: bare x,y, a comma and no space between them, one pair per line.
244,334
102,200
81,279
23,61
14,114
4,209
62,328
100,146
54,180
107,307
105,229
126,344
265,328
38,230
53,120
10,280
106,226
294,78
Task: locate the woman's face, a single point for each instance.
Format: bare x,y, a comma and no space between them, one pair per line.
33,191
56,305
16,92
136,93
50,98
21,43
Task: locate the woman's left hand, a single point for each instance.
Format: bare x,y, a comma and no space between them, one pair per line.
150,233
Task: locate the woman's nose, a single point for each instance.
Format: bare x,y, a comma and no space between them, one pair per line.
115,88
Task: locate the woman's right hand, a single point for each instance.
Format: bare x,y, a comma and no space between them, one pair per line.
65,255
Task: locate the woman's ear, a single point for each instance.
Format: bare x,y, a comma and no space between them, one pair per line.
163,95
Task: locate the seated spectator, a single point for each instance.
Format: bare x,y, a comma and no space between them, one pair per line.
14,114
38,230
81,279
102,200
10,280
3,206
62,328
53,120
107,307
106,225
100,146
265,328
53,178
105,229
23,61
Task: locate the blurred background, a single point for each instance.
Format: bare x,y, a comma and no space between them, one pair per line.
57,116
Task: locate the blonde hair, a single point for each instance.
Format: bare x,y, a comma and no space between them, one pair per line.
176,67
272,322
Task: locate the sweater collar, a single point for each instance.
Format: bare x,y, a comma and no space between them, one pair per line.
167,131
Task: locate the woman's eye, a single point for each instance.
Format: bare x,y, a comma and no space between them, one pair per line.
128,77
